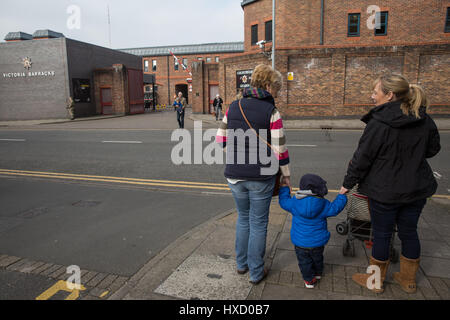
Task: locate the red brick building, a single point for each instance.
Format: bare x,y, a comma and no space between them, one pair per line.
172,77
334,54
332,50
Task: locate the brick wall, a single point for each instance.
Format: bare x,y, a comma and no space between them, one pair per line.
115,78
337,82
298,22
167,77
203,76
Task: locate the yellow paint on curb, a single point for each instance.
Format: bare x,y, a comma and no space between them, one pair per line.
61,285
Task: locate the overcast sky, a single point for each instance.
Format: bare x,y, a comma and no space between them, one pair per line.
134,23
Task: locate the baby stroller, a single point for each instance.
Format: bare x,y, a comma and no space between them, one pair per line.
358,226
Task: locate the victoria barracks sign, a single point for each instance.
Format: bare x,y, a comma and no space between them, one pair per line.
27,64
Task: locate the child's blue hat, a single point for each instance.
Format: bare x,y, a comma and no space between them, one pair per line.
313,182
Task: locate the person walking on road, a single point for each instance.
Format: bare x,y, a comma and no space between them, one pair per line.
180,105
251,186
217,104
390,165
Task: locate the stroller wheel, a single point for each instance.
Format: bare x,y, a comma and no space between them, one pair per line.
348,250
342,228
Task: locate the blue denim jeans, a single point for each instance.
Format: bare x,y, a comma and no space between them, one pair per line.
310,261
384,217
252,200
180,119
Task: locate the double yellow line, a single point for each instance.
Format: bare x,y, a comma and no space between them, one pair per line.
132,181
135,181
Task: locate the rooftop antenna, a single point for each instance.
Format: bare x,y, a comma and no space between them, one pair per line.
109,26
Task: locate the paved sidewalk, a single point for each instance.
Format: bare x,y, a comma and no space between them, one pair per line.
141,120
201,264
21,123
354,124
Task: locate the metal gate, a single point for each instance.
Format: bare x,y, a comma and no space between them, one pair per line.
136,91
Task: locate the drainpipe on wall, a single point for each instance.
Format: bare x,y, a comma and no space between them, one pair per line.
322,8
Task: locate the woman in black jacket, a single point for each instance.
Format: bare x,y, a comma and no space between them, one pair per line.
390,167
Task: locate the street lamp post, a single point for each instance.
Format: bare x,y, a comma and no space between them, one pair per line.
273,34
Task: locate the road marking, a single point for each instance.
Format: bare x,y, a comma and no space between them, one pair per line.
18,140
115,178
135,181
301,145
61,285
135,142
173,184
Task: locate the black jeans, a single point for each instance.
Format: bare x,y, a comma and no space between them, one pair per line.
310,261
180,119
384,218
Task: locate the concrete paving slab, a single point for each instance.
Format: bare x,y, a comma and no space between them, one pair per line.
333,255
206,277
221,242
285,242
285,260
435,267
435,249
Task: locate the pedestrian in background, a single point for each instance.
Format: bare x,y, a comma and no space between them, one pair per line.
180,105
391,168
217,104
252,190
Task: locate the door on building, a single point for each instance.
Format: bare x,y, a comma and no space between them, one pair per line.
183,88
213,91
106,101
136,91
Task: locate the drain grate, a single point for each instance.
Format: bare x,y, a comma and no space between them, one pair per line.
86,203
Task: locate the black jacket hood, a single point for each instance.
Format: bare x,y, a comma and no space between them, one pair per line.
391,114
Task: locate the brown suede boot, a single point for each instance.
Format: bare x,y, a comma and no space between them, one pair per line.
361,278
406,278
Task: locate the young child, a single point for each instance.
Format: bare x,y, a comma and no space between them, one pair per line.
309,232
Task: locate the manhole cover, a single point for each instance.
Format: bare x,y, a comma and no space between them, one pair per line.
33,212
86,203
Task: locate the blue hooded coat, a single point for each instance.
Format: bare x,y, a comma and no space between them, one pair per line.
309,217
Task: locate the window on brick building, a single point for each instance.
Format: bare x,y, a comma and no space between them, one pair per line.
145,65
175,64
208,59
447,21
217,59
354,20
199,58
254,34
382,30
185,62
153,65
268,31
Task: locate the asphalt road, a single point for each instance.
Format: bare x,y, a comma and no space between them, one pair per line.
115,225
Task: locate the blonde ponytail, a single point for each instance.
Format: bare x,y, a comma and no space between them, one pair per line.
416,99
